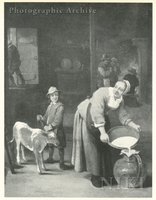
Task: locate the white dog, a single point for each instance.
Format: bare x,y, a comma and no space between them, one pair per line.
34,140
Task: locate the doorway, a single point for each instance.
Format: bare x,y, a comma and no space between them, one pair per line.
25,39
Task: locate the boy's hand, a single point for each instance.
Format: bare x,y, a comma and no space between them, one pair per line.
47,128
39,117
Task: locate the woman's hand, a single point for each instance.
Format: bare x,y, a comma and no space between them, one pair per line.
39,117
104,138
135,126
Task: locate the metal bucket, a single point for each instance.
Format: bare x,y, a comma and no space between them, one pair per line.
129,136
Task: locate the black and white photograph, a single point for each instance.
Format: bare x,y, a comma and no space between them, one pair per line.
78,99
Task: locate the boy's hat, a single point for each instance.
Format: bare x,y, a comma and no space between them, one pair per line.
132,70
52,90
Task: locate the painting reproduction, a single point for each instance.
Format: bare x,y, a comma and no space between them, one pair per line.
78,99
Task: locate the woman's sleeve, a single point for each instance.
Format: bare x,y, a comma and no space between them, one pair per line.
58,117
124,117
97,108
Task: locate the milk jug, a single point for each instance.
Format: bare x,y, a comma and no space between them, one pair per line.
129,171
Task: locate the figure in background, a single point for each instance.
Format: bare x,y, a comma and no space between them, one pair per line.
14,64
115,71
130,98
104,72
91,124
53,121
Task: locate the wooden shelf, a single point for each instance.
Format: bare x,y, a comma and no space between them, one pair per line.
70,71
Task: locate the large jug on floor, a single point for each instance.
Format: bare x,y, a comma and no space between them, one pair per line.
129,171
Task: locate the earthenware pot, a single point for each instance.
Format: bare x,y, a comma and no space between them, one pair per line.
129,171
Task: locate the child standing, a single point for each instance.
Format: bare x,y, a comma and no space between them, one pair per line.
53,121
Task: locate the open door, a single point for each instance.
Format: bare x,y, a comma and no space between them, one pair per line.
25,39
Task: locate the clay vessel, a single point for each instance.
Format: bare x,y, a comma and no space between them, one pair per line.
129,172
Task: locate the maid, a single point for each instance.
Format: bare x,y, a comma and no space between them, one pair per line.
91,124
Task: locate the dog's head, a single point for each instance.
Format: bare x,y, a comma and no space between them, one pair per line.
49,137
52,139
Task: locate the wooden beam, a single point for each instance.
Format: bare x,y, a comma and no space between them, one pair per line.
141,44
92,52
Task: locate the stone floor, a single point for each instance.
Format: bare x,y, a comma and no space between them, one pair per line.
56,183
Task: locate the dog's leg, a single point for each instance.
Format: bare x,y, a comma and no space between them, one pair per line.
42,163
37,156
23,154
36,148
18,152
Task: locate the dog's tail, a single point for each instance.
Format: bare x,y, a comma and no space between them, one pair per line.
14,131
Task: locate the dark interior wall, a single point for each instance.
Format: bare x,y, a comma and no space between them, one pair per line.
60,35
55,45
115,24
